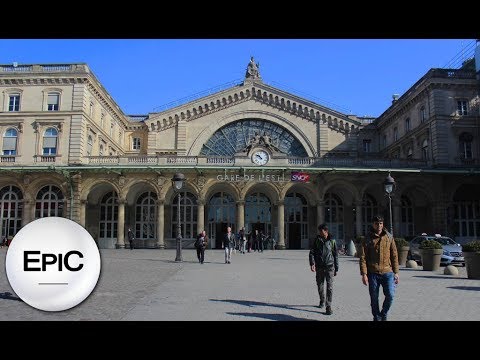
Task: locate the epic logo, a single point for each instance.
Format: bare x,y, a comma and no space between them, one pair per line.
53,264
300,176
53,257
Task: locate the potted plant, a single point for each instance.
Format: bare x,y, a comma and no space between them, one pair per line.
431,252
358,244
471,253
402,248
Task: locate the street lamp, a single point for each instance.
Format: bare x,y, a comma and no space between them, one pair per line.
389,185
177,184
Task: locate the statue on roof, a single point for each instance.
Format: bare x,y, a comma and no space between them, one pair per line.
252,70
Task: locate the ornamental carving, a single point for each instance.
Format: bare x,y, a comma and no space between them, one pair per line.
201,180
161,181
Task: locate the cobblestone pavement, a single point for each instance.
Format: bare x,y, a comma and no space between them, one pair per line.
273,285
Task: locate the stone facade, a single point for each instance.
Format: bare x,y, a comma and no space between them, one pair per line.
69,150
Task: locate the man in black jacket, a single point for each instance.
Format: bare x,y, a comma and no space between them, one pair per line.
324,261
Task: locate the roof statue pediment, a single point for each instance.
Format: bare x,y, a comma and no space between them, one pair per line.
251,89
253,71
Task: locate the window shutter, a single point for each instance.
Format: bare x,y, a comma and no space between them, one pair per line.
49,142
53,99
9,143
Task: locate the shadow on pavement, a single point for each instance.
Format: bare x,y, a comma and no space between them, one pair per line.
471,288
259,303
438,277
9,296
276,317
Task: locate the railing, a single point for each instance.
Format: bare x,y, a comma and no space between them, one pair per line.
43,68
452,73
230,161
7,159
18,68
45,158
56,67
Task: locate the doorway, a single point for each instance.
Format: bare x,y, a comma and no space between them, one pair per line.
294,236
220,231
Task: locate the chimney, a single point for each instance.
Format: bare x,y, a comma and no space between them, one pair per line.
395,98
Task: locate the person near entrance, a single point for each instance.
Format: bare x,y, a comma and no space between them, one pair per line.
228,244
323,260
242,238
200,244
131,237
379,266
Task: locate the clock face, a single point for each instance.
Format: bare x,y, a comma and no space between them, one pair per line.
260,157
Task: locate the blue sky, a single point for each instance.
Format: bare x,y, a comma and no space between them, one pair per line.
353,76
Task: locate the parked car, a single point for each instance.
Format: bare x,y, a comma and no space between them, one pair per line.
452,251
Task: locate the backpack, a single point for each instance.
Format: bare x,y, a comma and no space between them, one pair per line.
199,242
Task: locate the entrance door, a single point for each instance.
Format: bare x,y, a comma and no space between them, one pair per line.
294,236
220,231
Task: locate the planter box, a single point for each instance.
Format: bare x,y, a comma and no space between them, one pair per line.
402,255
472,263
431,259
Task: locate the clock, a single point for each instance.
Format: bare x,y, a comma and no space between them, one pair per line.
260,157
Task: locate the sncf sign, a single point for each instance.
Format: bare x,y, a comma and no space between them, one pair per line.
300,176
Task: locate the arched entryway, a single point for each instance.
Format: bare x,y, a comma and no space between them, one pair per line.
221,214
258,213
466,213
296,220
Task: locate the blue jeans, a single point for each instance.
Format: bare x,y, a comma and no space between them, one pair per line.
387,282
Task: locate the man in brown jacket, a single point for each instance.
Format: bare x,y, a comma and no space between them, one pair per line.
379,266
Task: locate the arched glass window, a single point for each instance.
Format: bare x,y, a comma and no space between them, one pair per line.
109,216
407,124
11,206
425,149
235,137
334,215
188,215
369,210
50,141
89,145
146,216
407,226
465,145
423,114
296,220
49,202
10,142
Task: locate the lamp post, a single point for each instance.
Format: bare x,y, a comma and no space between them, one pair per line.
389,185
177,184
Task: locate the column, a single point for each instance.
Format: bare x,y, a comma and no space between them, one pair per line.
201,216
83,208
320,213
161,224
240,214
281,224
359,217
27,214
121,225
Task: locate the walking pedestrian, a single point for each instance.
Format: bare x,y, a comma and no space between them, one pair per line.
201,244
379,267
228,243
131,237
323,260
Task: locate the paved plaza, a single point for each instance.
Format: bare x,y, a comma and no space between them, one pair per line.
273,285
